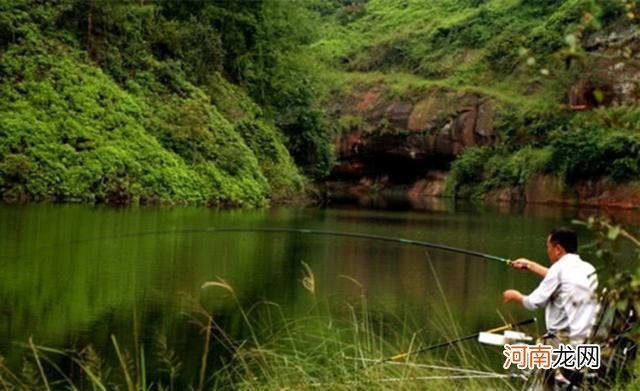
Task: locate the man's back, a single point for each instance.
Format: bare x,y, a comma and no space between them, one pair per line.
577,294
568,294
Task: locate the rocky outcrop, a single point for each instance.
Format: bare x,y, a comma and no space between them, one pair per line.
547,189
550,190
438,125
512,194
396,149
614,72
433,185
606,192
425,193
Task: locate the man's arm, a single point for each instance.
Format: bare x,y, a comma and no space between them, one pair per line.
512,295
538,297
526,264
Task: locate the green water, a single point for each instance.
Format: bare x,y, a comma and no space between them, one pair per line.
72,275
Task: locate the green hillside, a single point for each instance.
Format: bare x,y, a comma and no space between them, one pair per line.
523,55
116,102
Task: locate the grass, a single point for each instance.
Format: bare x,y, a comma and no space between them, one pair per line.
328,349
459,43
337,346
400,85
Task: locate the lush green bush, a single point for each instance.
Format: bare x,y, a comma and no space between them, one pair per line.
80,134
467,171
593,152
509,169
518,127
592,145
480,169
274,160
114,102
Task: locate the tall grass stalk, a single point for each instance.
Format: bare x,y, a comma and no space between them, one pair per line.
205,354
35,356
136,346
221,283
123,364
143,369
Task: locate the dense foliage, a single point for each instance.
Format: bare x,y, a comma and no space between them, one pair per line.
603,143
460,42
126,101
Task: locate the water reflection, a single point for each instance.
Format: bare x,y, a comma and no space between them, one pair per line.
75,274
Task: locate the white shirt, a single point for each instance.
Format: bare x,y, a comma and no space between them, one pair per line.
568,294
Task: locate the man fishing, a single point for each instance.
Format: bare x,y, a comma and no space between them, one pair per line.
567,290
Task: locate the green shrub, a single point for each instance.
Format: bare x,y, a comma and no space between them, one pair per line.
88,140
517,168
594,152
467,169
15,166
109,112
517,127
480,169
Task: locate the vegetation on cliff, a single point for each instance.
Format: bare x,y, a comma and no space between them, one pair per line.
548,67
204,102
603,143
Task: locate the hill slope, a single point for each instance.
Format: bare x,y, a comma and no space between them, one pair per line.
495,92
94,106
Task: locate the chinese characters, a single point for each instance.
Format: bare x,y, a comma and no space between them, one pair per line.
546,357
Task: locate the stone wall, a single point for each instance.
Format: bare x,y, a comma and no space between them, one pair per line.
441,123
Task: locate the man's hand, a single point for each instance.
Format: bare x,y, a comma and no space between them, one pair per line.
524,264
512,295
521,264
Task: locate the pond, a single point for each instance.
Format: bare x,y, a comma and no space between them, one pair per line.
72,275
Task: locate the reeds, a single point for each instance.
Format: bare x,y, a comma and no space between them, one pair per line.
331,347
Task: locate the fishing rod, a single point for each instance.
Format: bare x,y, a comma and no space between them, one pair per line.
365,236
451,342
302,231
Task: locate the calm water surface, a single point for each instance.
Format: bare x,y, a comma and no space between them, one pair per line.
72,275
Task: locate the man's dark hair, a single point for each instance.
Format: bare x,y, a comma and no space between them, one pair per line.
565,237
